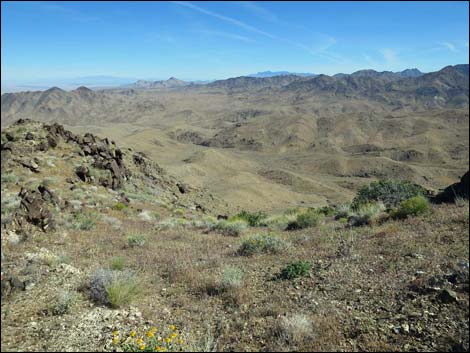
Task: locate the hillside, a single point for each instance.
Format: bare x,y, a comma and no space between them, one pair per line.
267,142
98,241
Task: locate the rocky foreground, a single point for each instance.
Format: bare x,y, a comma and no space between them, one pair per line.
75,208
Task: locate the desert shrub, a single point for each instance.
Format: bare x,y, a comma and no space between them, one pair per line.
292,211
113,288
414,206
62,303
261,243
119,206
326,211
8,178
84,221
232,278
343,211
112,221
390,192
171,223
279,222
310,218
204,223
254,219
117,263
231,228
135,240
170,339
179,212
295,329
295,269
367,213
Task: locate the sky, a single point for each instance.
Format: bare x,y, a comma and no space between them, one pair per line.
54,41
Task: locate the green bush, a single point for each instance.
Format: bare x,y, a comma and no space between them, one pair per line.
390,192
119,206
254,219
122,291
326,211
295,269
414,206
366,213
261,243
84,221
114,288
232,228
136,240
343,211
117,263
63,302
232,277
310,218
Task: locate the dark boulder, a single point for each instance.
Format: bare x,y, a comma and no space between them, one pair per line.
450,193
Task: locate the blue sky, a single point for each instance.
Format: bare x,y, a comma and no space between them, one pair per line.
208,40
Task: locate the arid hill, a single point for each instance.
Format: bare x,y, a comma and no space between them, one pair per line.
263,142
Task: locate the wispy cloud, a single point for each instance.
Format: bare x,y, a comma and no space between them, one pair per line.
225,18
312,49
259,11
72,14
227,35
449,46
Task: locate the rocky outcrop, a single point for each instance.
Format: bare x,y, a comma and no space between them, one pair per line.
460,189
34,208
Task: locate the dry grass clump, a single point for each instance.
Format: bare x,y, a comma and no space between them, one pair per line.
262,243
296,329
114,288
231,228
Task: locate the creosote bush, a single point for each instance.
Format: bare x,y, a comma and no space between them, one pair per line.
390,192
262,243
414,206
295,270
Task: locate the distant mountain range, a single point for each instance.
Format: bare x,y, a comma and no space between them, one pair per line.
172,82
280,73
448,87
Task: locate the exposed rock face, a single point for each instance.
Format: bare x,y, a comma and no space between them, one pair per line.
460,189
34,209
148,167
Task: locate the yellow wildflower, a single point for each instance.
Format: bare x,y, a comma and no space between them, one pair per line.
168,340
174,334
139,341
172,327
150,334
142,347
115,333
133,333
180,341
153,329
158,348
115,340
